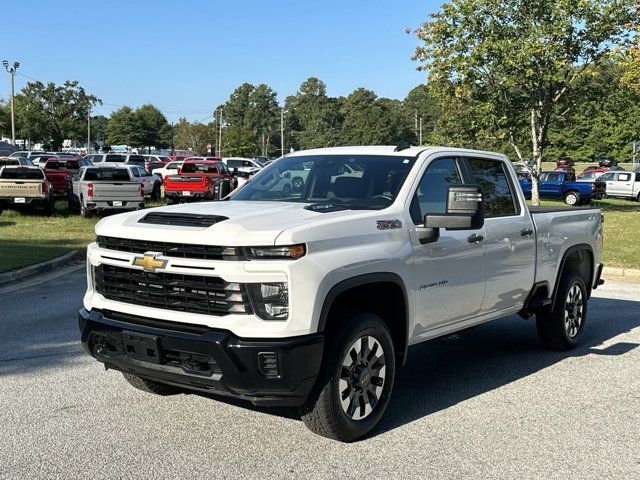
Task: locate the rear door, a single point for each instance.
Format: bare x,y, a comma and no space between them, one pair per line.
509,237
550,184
450,272
623,184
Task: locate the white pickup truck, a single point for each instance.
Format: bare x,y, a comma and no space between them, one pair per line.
311,297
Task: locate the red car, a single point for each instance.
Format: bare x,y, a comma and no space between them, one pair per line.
595,169
199,180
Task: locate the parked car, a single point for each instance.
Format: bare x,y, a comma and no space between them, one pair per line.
40,160
107,158
26,153
158,158
105,187
13,161
61,170
622,184
242,165
23,187
170,168
313,301
199,180
151,183
566,169
607,162
562,185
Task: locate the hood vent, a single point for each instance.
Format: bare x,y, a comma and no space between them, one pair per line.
182,219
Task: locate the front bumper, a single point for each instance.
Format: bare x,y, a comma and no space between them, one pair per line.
200,358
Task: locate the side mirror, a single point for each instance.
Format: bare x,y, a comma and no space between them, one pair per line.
464,210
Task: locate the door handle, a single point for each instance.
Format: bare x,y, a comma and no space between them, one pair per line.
525,232
475,238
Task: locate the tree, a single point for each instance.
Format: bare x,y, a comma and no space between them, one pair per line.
99,128
238,141
236,108
262,115
313,118
193,136
155,130
420,104
520,56
124,128
52,114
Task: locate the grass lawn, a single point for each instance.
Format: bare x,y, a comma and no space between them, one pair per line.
26,238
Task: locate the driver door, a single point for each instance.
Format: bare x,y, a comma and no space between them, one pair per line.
450,272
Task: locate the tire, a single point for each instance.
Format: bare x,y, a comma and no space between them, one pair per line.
638,198
155,193
149,386
84,212
286,191
562,326
572,198
325,412
50,208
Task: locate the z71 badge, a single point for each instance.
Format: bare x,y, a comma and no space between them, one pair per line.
389,224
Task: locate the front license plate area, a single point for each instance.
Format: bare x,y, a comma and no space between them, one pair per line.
141,346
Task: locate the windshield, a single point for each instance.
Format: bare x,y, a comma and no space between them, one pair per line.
341,181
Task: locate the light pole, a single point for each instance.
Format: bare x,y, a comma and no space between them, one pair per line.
220,133
12,71
88,131
282,132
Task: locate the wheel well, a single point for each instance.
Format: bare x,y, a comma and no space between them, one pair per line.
580,260
385,299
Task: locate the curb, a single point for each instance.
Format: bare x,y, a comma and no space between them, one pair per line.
38,268
621,272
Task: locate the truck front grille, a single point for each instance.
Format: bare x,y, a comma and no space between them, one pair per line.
170,291
178,250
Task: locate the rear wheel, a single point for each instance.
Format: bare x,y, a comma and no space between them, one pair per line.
561,327
572,198
354,388
150,386
84,212
297,183
155,193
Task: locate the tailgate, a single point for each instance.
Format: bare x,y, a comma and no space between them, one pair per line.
21,188
107,191
186,184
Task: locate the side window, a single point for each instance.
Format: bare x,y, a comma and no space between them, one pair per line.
496,190
624,177
607,177
431,195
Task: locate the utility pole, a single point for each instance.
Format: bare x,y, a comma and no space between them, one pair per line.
12,71
282,132
88,131
220,133
420,143
415,120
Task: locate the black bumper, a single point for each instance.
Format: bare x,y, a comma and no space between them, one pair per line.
193,197
265,372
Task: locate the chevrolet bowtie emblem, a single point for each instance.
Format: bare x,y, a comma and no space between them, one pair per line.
149,262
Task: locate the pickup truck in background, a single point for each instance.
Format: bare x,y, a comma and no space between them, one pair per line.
312,300
151,183
622,184
25,187
102,188
198,180
60,171
15,161
563,186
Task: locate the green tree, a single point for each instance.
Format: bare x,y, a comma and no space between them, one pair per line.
262,116
156,131
193,136
237,107
53,113
520,56
124,128
419,104
313,119
238,141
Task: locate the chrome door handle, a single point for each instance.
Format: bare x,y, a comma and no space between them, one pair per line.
525,232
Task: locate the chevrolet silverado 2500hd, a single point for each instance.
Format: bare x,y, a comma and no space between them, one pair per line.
25,187
311,297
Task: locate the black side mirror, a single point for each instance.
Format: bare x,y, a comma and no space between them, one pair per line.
464,212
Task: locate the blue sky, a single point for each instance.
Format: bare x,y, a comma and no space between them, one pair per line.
187,56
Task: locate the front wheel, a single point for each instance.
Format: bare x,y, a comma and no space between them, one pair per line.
561,327
155,193
572,198
354,388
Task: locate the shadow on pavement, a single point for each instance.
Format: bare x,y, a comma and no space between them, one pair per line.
444,372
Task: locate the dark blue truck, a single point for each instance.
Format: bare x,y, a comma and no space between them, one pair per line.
562,185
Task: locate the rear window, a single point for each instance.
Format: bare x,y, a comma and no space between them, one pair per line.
9,161
115,158
136,159
199,167
22,173
116,174
62,165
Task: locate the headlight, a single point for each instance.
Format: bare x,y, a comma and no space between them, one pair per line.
271,300
288,251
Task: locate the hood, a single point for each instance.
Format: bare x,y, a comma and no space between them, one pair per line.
248,223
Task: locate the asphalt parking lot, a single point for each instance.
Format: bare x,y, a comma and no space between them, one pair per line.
487,403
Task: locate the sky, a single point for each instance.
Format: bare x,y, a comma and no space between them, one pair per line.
187,56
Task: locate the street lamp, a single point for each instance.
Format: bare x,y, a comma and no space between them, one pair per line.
12,71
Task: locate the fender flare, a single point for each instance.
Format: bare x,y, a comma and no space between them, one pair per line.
574,248
364,279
